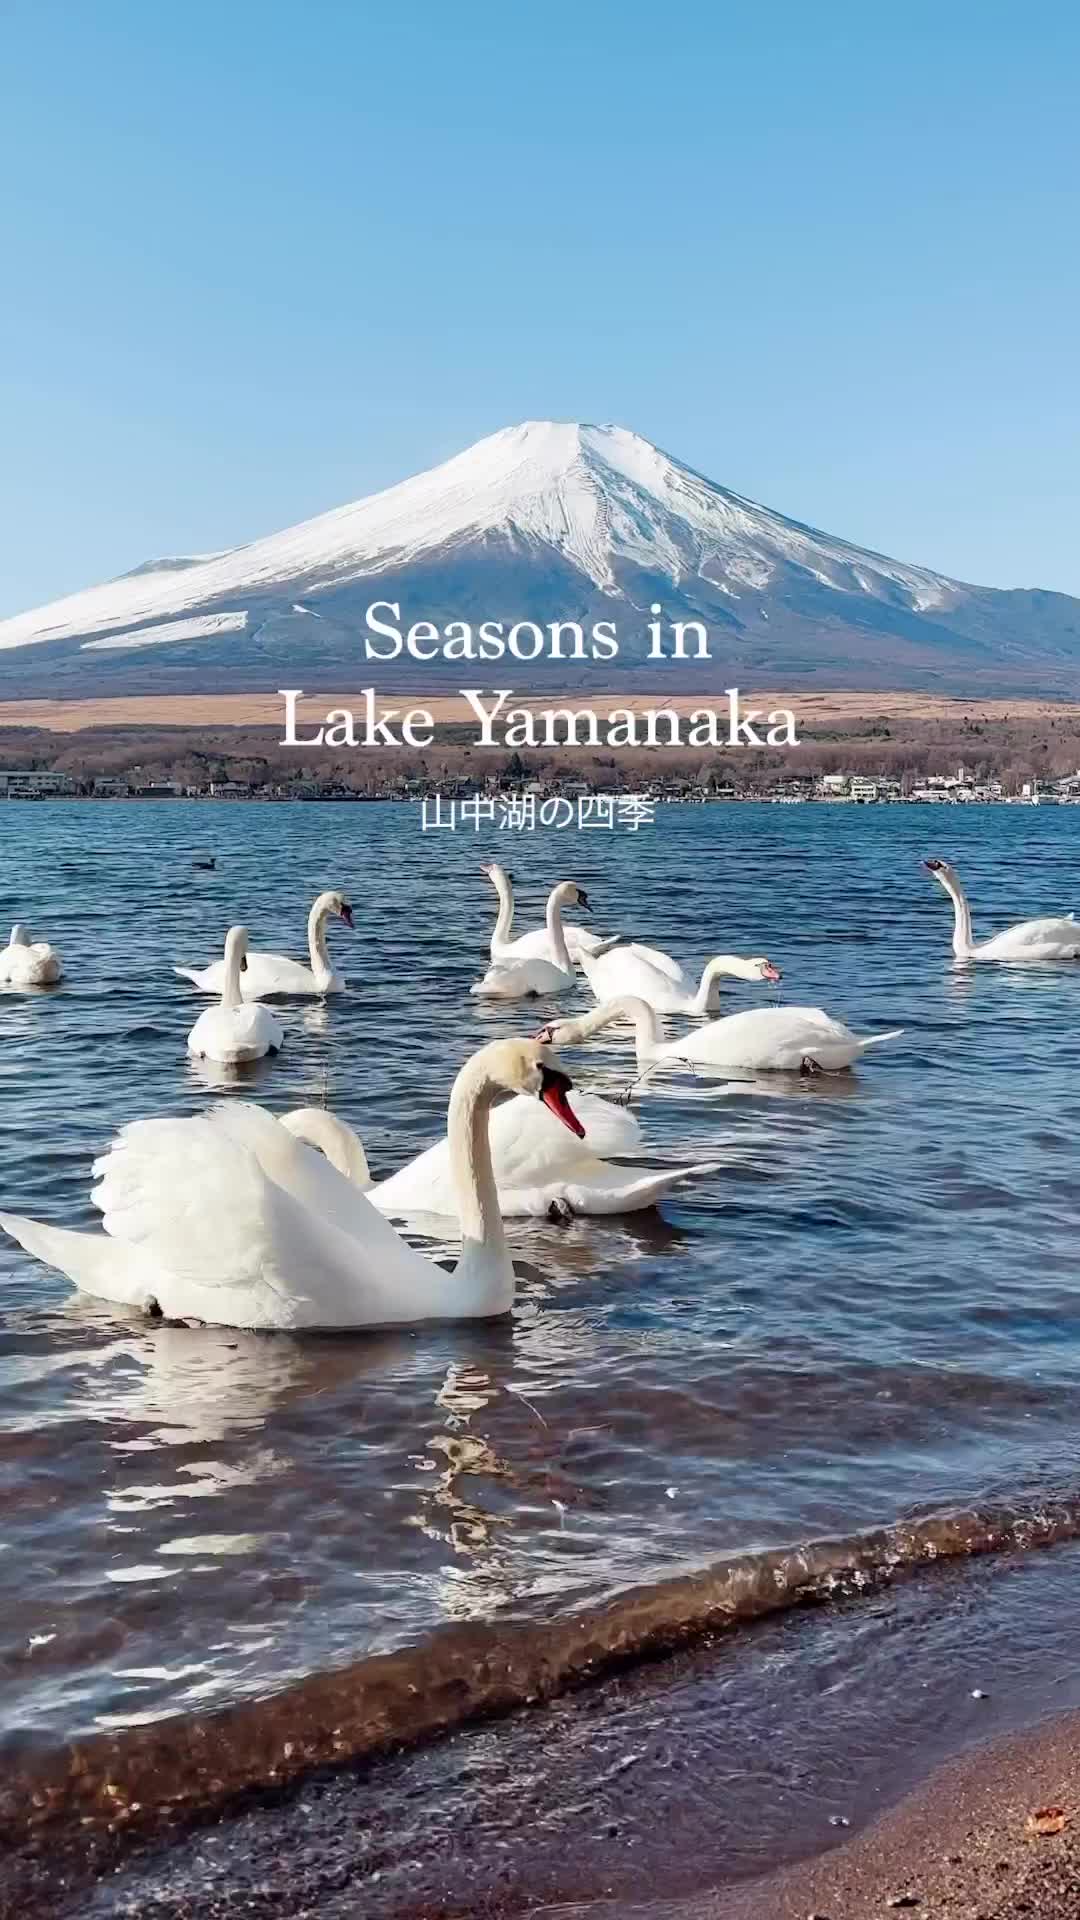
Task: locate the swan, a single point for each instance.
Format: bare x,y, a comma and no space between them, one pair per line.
1029,940
539,1169
761,1040
274,972
621,970
23,964
528,946
235,1030
516,979
226,1218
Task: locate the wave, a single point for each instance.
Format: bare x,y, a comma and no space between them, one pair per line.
190,1765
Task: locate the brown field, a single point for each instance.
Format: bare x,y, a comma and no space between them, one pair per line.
813,711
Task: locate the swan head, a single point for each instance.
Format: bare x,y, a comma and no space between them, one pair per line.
529,1067
334,903
498,875
756,969
570,895
941,871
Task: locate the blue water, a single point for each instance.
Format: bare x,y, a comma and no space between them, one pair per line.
871,1308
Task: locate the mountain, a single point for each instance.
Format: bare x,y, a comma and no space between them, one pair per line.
541,522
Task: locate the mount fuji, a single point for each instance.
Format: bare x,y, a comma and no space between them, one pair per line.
546,521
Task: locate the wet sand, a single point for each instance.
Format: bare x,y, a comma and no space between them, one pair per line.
960,1847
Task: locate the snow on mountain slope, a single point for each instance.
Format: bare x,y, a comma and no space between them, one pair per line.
537,516
595,494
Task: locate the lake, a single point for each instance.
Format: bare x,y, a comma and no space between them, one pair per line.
868,1312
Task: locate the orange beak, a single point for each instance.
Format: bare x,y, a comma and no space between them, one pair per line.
554,1088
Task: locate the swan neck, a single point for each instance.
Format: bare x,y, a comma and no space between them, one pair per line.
331,1137
723,963
555,931
483,1240
231,995
504,922
641,1016
318,952
963,940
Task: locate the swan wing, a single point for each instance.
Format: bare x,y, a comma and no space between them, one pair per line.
91,1262
30,966
663,962
228,1242
208,979
537,945
236,1033
1034,939
530,1147
626,970
607,1190
265,973
779,1038
268,973
517,979
530,1150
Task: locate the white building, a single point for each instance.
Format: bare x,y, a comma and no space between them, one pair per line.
33,784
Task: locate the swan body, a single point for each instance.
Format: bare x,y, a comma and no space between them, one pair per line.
537,945
235,1030
26,963
540,1169
226,1218
760,1040
517,978
645,974
268,973
1049,939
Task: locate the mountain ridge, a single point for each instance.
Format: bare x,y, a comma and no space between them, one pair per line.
542,521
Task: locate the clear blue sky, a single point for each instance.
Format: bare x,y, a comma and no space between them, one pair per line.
264,256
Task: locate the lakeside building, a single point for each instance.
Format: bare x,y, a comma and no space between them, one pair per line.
33,784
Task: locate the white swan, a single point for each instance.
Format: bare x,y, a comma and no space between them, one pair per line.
23,964
1030,940
621,970
540,1170
226,1218
236,1030
761,1040
269,973
516,979
528,946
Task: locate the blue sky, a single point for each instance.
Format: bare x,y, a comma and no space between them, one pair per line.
263,257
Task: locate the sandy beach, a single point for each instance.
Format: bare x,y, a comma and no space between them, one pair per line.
964,1846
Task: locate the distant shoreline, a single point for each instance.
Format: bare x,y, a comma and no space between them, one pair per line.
197,711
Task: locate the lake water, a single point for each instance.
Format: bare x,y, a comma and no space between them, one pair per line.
869,1312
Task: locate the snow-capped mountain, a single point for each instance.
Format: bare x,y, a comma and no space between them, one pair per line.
542,522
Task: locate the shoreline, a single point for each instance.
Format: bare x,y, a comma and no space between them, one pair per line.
958,1845
710,1783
